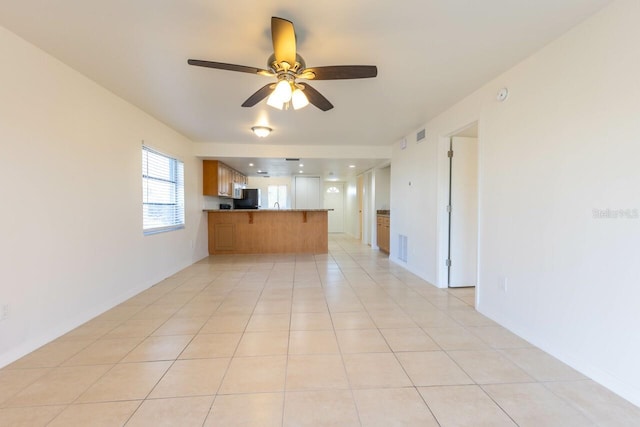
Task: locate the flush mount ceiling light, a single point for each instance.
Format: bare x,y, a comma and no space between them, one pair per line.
261,131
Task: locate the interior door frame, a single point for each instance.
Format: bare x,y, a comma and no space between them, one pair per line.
360,192
448,262
471,129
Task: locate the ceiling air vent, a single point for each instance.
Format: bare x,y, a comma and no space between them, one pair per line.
292,159
262,173
421,135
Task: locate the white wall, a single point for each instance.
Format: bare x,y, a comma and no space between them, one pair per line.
352,221
382,176
414,204
263,149
565,142
368,209
72,243
381,194
213,202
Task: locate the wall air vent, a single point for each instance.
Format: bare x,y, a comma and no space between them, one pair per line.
402,248
421,135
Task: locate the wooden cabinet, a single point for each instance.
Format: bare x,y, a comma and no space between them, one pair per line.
224,180
224,237
383,233
218,179
239,178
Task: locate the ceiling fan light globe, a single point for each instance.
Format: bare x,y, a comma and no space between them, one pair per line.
274,102
282,92
299,99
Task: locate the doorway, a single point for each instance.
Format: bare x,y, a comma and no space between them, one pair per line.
462,259
334,200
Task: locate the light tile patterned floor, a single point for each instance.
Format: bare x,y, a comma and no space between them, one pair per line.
344,339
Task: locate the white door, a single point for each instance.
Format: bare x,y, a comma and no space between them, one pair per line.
334,199
307,192
463,237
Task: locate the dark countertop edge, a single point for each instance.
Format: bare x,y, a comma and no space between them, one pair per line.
266,210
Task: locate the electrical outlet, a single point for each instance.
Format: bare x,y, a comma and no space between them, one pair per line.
4,312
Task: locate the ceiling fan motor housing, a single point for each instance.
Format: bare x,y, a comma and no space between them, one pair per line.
279,67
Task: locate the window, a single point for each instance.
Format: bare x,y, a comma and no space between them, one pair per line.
277,194
162,192
333,190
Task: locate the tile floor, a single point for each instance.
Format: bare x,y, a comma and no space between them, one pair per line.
344,339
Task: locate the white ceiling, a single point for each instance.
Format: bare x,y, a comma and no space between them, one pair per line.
429,54
329,169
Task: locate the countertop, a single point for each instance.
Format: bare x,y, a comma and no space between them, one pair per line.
266,210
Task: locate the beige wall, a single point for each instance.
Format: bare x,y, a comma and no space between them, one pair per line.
565,142
72,243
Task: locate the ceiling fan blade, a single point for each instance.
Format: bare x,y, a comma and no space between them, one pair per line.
230,67
283,36
316,98
340,72
261,94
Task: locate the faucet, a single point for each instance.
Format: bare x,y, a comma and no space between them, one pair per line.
276,204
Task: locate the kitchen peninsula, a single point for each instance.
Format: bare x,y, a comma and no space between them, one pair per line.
267,231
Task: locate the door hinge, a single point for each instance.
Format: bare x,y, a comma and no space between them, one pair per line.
448,263
449,208
450,153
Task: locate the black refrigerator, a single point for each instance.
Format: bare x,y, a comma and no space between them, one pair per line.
250,199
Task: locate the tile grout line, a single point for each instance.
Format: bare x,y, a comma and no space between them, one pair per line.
216,394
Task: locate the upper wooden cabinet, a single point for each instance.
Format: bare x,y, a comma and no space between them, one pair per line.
218,179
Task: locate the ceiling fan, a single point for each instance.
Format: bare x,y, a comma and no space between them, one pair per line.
288,66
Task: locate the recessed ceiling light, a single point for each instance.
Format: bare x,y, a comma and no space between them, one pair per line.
352,166
259,171
251,164
301,165
300,171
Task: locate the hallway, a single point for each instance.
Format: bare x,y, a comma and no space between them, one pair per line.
344,339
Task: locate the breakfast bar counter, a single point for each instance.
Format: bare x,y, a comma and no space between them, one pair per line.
267,231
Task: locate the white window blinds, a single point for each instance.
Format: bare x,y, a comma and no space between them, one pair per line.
162,192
